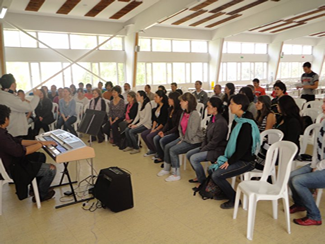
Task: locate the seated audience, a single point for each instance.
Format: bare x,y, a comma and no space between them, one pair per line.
81,85
45,89
173,86
229,92
116,115
23,163
265,117
44,115
127,89
89,92
273,92
162,88
53,93
149,94
179,91
141,123
19,124
190,137
214,142
59,96
80,98
280,90
259,91
99,104
249,93
159,119
200,95
169,132
73,90
67,115
217,91
240,151
108,94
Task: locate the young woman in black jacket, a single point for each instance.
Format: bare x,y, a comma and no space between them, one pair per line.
170,131
44,115
159,119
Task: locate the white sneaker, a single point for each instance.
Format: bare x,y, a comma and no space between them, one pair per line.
134,151
149,153
173,178
163,172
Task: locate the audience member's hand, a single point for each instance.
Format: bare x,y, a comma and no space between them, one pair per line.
36,92
40,119
49,143
129,121
224,166
133,126
161,134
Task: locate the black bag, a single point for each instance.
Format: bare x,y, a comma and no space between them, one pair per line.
208,189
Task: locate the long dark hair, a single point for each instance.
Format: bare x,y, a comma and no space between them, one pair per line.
162,94
231,87
145,99
289,109
162,88
174,96
265,110
44,93
216,103
248,92
241,99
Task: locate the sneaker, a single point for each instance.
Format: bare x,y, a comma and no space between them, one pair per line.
163,172
307,222
294,209
134,151
49,196
158,160
127,149
227,205
173,178
149,153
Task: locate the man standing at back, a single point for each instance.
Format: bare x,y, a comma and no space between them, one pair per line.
200,95
259,91
309,81
173,86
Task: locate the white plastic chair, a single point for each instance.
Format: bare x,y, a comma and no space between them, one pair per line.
200,109
314,104
231,116
7,179
55,112
300,102
320,118
80,112
205,119
311,112
262,190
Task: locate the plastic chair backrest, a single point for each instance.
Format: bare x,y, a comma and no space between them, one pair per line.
4,174
273,135
200,108
320,118
55,110
300,102
314,131
231,116
284,151
79,110
313,104
311,112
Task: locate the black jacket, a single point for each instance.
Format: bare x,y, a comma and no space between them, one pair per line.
171,127
133,111
44,110
163,116
215,140
291,128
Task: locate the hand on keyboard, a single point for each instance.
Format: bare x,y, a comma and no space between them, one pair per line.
49,143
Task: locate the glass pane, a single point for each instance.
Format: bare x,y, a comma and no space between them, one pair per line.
95,70
121,74
48,69
149,74
260,71
179,72
67,75
20,70
27,41
83,42
245,71
161,45
188,73
205,72
36,78
199,46
234,47
144,44
81,75
296,69
297,49
56,40
231,71
141,77
115,43
197,71
159,73
287,49
169,73
11,38
260,48
248,47
285,70
307,50
108,72
181,46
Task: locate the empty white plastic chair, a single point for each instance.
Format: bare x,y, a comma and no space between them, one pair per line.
314,104
262,190
300,102
311,112
320,118
80,112
7,179
55,112
200,109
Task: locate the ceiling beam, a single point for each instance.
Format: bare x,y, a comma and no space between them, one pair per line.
211,17
203,5
189,17
127,9
34,5
99,8
68,6
279,11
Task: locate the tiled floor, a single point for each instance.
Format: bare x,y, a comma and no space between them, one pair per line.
163,213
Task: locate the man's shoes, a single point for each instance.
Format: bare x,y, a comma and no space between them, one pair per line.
228,205
294,209
49,195
307,222
157,161
193,181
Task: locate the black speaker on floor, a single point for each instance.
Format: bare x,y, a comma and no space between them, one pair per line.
114,189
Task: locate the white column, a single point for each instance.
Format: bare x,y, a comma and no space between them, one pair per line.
319,57
215,51
131,40
2,52
274,51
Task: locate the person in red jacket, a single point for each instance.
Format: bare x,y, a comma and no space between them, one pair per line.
259,91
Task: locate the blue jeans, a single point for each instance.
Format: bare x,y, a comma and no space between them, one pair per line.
161,142
147,137
131,136
45,176
301,180
67,125
196,157
220,176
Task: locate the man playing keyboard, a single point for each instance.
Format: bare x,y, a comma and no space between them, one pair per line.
23,163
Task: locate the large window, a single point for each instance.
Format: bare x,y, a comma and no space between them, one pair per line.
181,46
166,73
245,47
54,40
19,39
116,43
291,49
290,70
161,45
21,72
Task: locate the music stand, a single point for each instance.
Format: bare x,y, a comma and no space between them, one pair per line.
90,125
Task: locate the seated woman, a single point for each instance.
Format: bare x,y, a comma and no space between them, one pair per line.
162,88
214,142
44,115
59,96
311,176
130,112
265,117
240,151
99,104
22,163
67,115
159,119
141,123
169,132
116,115
279,89
190,137
290,123
229,92
80,97
250,95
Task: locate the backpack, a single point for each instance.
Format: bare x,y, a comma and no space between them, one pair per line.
208,189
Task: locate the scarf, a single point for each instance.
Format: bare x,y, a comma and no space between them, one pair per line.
231,145
96,104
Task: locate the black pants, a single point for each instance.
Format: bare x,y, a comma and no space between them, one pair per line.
115,131
308,97
40,125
